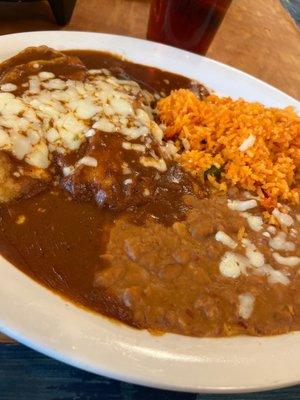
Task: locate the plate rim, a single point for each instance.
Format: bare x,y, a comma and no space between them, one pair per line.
186,53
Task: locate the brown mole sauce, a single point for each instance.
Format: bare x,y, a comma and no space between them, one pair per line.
61,240
150,78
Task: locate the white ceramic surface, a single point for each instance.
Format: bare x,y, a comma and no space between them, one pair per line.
36,317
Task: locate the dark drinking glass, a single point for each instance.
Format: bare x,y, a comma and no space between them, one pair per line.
188,24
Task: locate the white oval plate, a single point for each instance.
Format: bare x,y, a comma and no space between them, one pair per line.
48,323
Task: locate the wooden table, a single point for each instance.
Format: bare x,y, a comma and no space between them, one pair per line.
257,36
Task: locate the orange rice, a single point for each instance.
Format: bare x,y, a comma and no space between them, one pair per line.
210,132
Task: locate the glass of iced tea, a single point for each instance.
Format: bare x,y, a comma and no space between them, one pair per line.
188,24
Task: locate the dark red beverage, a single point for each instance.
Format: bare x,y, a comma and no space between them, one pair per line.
188,24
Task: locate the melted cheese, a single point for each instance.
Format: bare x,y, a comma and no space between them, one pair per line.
88,161
255,222
247,143
288,261
56,115
283,219
273,275
255,257
232,265
246,305
279,242
241,205
225,239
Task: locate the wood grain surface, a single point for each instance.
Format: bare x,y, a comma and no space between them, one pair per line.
5,339
257,36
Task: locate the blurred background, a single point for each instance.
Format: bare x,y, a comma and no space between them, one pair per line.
253,34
